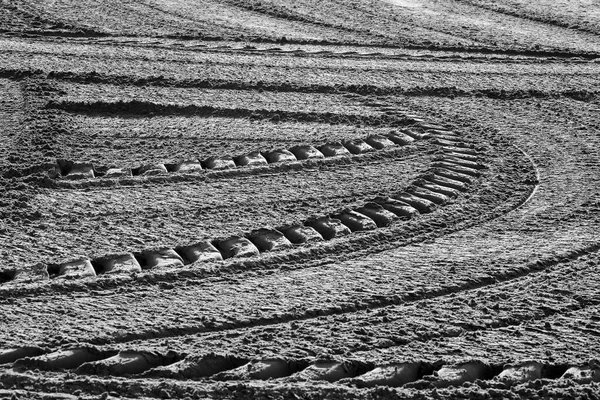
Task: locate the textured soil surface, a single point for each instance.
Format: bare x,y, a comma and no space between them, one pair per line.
299,200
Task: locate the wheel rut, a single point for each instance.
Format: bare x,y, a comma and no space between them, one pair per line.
362,369
457,164
454,170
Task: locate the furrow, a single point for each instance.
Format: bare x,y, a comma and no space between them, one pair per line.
295,86
298,47
322,49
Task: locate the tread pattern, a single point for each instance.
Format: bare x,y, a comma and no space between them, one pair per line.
449,173
226,367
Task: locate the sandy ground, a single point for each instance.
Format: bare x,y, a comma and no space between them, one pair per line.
488,292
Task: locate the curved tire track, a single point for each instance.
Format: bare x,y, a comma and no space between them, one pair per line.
417,200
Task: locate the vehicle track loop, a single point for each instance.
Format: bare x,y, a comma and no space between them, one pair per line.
379,212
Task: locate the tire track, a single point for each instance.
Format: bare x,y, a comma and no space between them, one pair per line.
460,159
73,169
367,303
409,232
416,318
205,367
346,51
431,191
378,303
364,89
51,121
357,370
382,50
224,367
371,148
502,381
126,176
424,198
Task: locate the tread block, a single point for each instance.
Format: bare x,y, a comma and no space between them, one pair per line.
436,198
448,137
451,143
446,182
356,221
432,187
279,155
306,152
158,258
457,375
358,146
415,134
81,170
462,156
219,163
76,269
152,169
415,118
251,159
261,369
197,366
301,234
330,371
400,208
461,150
452,174
118,172
118,264
393,375
334,149
456,168
424,206
377,213
521,373
400,138
202,252
379,142
237,247
329,228
461,162
13,354
126,363
582,374
269,239
443,131
188,167
429,126
62,359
